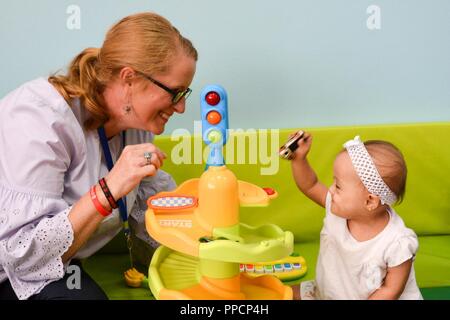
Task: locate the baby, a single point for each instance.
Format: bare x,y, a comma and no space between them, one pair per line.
366,251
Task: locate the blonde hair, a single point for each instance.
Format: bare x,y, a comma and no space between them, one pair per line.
390,164
145,42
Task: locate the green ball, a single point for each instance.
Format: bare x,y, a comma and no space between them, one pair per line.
215,136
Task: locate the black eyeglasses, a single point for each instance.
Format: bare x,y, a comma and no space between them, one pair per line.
176,94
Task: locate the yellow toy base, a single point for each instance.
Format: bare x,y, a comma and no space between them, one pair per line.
261,288
176,276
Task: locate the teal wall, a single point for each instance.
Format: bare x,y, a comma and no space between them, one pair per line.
285,63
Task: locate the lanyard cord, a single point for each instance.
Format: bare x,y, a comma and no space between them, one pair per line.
122,202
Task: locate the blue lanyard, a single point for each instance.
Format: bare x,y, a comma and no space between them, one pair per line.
122,203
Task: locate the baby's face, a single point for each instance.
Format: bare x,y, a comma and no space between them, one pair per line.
348,192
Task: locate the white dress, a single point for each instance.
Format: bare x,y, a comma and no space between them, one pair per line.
349,269
47,162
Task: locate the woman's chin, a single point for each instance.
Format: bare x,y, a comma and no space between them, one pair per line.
157,129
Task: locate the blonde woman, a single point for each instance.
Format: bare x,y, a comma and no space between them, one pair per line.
77,155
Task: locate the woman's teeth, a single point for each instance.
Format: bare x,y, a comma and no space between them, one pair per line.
165,116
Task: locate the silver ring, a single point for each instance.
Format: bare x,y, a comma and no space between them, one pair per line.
148,157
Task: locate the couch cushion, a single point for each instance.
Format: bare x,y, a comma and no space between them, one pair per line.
426,148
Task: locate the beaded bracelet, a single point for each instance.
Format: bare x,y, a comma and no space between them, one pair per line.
107,193
98,206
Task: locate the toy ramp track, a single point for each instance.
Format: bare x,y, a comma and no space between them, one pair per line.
177,276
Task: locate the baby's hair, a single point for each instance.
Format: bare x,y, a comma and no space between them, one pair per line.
390,164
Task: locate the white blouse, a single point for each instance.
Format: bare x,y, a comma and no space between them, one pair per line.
47,162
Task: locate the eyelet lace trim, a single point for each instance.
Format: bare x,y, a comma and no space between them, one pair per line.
31,258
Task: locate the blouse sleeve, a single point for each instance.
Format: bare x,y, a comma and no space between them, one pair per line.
401,250
38,147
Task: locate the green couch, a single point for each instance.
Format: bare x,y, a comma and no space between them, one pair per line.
426,208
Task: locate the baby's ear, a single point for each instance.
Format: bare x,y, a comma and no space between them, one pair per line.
372,202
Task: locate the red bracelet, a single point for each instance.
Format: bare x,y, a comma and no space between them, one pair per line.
107,193
97,203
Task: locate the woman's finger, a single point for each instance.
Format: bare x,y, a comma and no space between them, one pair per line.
149,147
146,171
161,154
148,158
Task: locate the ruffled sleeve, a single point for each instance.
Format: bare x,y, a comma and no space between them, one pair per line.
39,144
35,233
401,250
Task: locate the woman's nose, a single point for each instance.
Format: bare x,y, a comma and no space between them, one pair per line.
180,106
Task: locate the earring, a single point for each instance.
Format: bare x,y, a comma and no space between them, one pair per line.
128,106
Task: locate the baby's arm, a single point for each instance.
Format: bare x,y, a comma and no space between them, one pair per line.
394,282
304,175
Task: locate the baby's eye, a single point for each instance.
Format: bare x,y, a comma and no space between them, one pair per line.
337,187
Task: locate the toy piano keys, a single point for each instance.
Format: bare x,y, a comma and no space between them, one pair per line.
288,269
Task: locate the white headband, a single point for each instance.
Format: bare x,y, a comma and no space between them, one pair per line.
367,172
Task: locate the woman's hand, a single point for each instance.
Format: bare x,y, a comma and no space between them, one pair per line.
132,167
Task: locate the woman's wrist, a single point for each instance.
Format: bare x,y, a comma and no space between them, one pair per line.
99,201
113,189
107,193
102,198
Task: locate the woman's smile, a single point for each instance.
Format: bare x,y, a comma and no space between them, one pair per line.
164,116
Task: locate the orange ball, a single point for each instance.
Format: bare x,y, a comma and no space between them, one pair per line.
213,117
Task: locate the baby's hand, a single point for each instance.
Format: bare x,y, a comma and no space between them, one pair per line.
304,145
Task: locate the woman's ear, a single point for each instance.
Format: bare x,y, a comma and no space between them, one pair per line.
372,202
126,75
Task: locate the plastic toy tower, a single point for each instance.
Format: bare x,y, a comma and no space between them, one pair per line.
198,225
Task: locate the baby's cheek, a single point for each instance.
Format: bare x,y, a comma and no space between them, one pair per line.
338,206
334,207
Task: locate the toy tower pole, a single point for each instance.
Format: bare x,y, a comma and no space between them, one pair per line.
214,109
219,187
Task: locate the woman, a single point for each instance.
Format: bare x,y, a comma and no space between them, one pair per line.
59,136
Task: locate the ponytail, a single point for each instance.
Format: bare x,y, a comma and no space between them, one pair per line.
81,82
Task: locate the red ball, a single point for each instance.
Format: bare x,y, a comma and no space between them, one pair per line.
269,191
212,98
